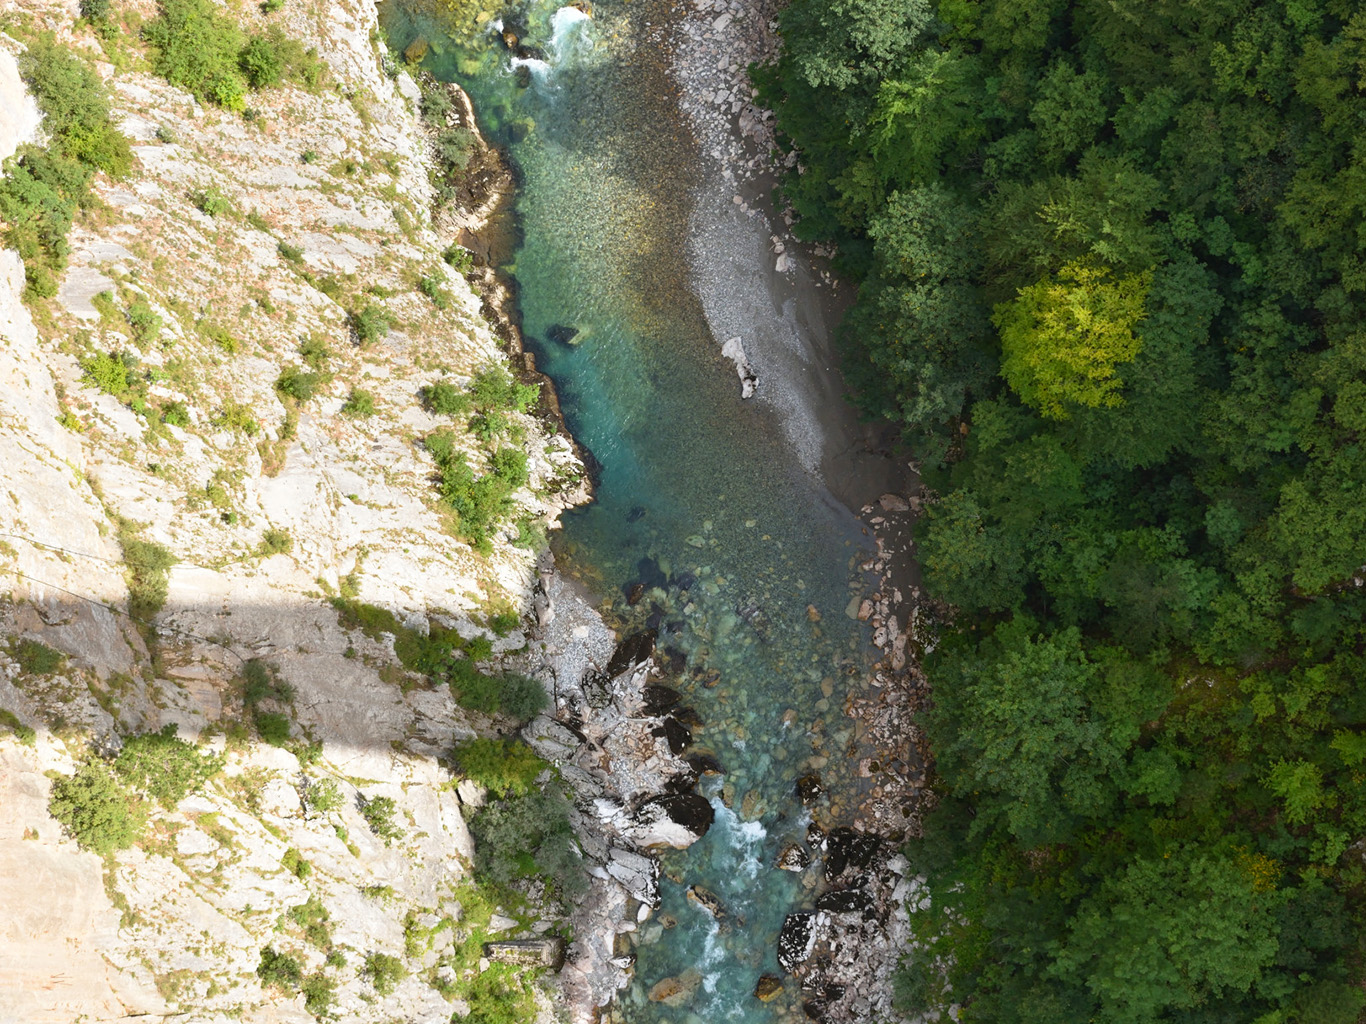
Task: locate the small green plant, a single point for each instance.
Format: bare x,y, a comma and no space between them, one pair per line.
23,733
289,252
145,321
37,659
458,258
278,970
315,920
314,352
431,287
94,10
494,388
257,221
309,156
318,989
176,414
271,6
456,147
360,404
293,862
237,416
370,324
167,134
210,200
275,542
99,812
220,336
322,796
504,622
383,972
379,813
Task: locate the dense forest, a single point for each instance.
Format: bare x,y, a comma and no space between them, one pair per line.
1112,286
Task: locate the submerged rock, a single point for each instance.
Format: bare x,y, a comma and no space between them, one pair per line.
809,788
705,764
562,334
676,991
708,901
660,700
794,858
633,652
769,988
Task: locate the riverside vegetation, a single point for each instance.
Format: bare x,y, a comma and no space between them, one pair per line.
1111,288
201,387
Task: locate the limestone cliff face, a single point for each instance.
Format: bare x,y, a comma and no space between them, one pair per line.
173,929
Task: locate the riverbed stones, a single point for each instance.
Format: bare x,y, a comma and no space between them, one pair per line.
809,789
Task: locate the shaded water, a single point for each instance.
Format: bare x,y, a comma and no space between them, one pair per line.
747,562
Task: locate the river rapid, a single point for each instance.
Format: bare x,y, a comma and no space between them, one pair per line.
711,522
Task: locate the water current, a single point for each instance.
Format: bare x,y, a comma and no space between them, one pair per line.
748,564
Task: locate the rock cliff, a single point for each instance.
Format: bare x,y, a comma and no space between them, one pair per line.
241,253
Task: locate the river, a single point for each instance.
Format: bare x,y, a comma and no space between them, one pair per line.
708,507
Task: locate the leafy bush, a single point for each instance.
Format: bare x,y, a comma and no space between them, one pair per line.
211,200
44,185
196,48
384,972
37,658
146,323
278,970
177,414
504,622
319,990
431,287
107,371
273,727
259,683
220,336
459,258
494,388
262,62
522,697
322,796
164,767
445,398
94,10
359,403
315,920
99,812
504,767
293,862
510,465
528,835
298,384
149,566
289,252
275,542
379,813
237,416
314,352
371,324
455,147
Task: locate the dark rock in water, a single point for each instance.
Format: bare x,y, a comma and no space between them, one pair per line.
683,782
708,901
834,992
705,764
755,618
815,835
517,131
511,40
845,848
817,1010
689,717
770,987
636,514
675,819
684,580
631,653
678,735
655,620
671,659
522,75
651,574
531,53
794,858
562,334
527,952
796,939
634,592
809,788
845,901
660,699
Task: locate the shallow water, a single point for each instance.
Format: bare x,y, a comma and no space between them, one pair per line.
748,562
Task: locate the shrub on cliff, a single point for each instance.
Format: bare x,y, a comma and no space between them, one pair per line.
148,572
504,767
379,813
99,812
444,398
164,766
384,972
197,48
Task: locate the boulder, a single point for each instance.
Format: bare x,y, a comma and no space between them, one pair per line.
708,901
416,50
563,334
631,653
637,874
845,901
734,350
794,858
527,952
659,700
553,740
844,848
809,788
677,820
796,940
678,735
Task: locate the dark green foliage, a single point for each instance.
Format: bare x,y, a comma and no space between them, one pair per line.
504,767
165,767
289,252
273,727
504,622
107,371
94,10
323,795
493,388
146,323
445,398
99,812
44,186
278,970
379,813
211,200
371,324
259,682
383,972
1111,290
196,48
528,835
430,286
314,352
37,658
458,258
456,147
297,383
315,920
319,990
177,414
359,404
293,862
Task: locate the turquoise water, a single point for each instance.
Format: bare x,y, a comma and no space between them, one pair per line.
696,485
